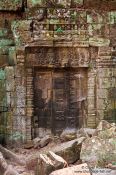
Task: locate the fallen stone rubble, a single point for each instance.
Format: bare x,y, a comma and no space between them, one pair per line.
83,152
96,147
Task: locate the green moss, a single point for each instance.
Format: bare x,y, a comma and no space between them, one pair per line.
3,32
34,3
10,5
4,50
6,42
2,74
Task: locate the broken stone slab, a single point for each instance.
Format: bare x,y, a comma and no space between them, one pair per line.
81,133
45,166
59,162
70,150
36,142
103,125
108,133
98,152
29,145
11,171
48,163
89,131
89,150
45,141
3,164
68,134
81,169
105,130
85,132
31,161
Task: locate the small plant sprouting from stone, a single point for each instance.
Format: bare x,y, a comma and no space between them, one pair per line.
59,30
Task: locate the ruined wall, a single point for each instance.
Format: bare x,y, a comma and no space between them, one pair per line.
83,30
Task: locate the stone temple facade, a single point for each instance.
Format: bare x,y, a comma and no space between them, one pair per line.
57,66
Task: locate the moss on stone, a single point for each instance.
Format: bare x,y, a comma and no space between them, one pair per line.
3,32
9,5
6,42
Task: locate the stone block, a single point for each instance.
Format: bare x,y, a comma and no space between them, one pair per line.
8,94
4,50
98,18
102,93
99,42
10,5
105,51
3,60
34,3
90,100
50,3
29,111
104,73
99,30
6,42
12,56
113,35
20,91
95,151
22,31
19,72
23,25
77,3
81,17
100,4
10,78
2,22
63,3
104,83
9,116
25,37
3,32
91,81
80,43
35,13
91,92
101,105
19,111
9,72
70,150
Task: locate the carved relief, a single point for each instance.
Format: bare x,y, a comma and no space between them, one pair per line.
55,57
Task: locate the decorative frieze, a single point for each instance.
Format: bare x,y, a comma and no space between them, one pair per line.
55,57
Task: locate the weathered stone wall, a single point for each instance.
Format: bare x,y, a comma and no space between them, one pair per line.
84,30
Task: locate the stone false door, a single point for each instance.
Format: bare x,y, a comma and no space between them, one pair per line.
58,95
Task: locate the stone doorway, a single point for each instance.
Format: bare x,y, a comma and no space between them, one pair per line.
59,99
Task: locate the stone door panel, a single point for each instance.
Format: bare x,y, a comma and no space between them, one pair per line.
57,96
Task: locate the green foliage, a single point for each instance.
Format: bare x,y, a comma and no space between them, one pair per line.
59,30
